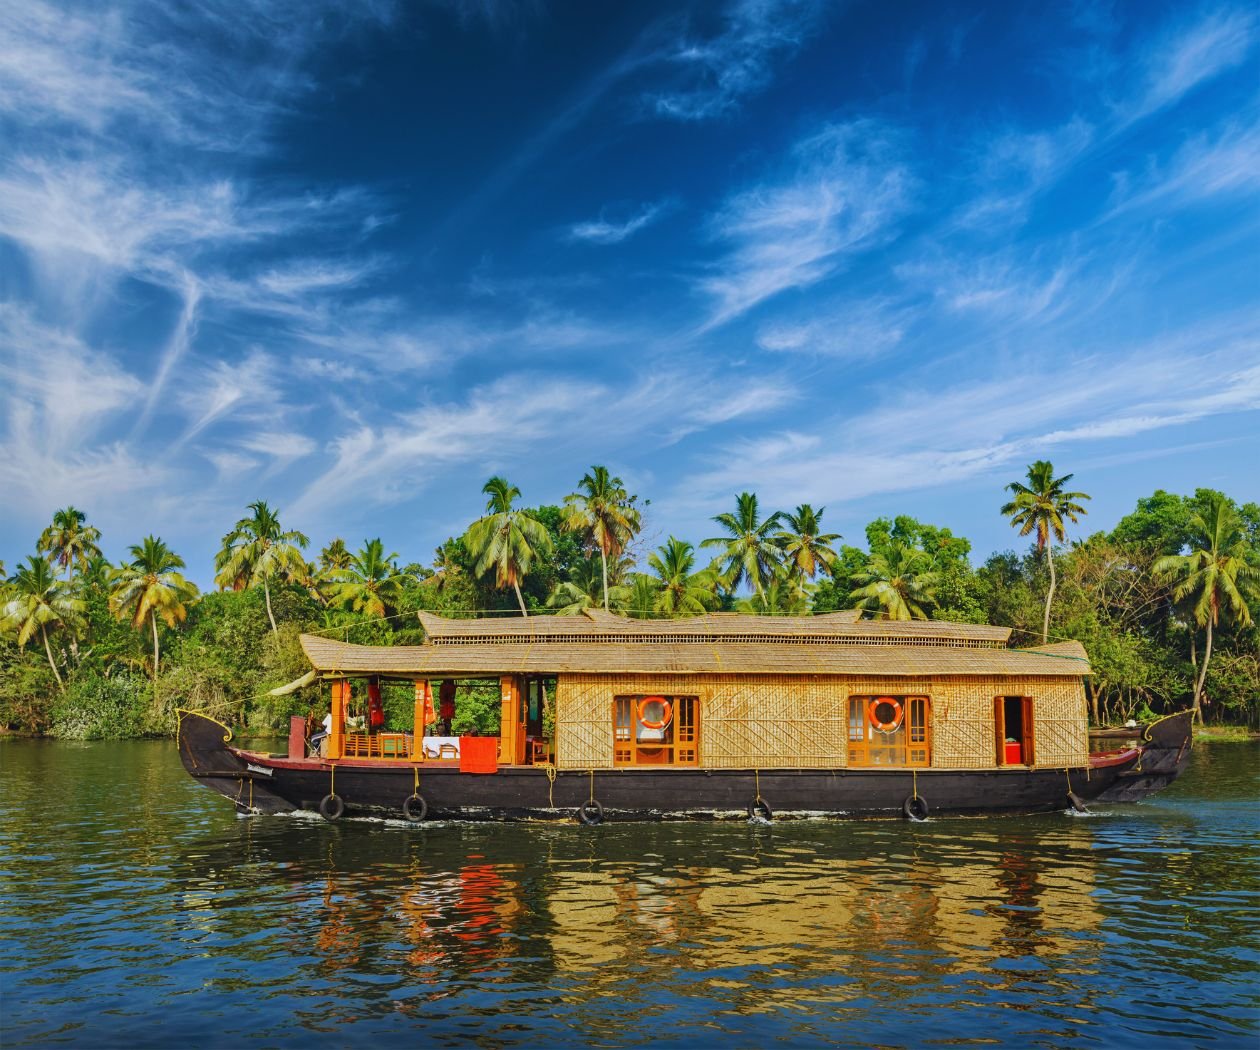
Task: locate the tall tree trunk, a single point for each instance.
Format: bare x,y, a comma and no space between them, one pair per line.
1045,623
517,588
1194,652
1198,685
270,615
603,557
153,620
51,662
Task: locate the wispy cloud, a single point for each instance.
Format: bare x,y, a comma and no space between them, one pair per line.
848,188
608,231
932,436
852,331
1190,53
1203,167
713,73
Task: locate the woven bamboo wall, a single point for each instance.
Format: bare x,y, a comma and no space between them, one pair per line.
798,722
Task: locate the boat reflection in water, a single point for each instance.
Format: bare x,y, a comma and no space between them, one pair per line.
844,913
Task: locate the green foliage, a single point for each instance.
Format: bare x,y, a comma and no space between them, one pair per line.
105,709
1147,632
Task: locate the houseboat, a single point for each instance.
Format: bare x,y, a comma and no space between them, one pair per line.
725,715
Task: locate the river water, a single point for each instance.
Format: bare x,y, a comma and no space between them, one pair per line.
136,909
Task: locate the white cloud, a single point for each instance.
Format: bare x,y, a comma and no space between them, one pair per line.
713,74
1190,55
848,189
942,433
605,231
1203,167
852,331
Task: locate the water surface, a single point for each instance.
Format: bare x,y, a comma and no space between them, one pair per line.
136,909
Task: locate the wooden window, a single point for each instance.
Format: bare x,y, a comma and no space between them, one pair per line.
1014,732
890,731
654,730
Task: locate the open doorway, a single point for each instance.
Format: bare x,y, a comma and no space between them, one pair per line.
1013,730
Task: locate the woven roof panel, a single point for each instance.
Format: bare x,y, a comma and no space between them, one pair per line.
597,625
491,659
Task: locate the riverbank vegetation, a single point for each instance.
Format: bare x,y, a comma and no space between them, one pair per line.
1165,602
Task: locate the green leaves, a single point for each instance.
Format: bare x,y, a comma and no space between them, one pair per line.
506,540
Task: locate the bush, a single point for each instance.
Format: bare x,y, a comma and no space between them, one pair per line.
97,708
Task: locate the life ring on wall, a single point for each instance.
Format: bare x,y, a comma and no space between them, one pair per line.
885,727
667,712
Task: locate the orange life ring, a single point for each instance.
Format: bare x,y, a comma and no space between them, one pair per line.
666,712
885,727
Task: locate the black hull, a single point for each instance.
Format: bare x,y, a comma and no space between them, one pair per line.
263,783
1164,755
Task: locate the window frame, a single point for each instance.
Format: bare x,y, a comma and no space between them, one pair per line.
681,747
916,719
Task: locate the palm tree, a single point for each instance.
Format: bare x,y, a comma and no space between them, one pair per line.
785,595
256,551
38,601
749,549
897,583
149,587
1041,506
371,584
585,587
505,539
641,595
681,592
604,513
1214,578
334,558
805,546
70,542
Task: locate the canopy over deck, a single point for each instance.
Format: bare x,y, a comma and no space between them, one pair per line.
602,643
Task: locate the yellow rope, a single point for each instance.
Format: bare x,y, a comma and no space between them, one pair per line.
332,779
914,782
757,780
416,782
592,772
551,783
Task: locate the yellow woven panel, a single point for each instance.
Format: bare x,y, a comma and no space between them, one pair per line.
798,722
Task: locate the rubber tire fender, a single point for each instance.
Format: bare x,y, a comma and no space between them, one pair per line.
331,807
759,807
915,808
591,813
415,809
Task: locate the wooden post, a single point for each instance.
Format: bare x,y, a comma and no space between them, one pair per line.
424,704
336,742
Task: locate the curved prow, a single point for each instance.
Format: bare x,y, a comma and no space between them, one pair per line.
203,745
1165,753
204,752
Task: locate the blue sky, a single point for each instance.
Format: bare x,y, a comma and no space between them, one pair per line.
354,259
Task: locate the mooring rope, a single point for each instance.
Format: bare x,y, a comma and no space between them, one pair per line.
757,782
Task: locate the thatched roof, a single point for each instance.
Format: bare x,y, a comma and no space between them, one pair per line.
600,643
598,627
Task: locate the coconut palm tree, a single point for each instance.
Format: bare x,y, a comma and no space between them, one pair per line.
785,595
334,558
257,551
680,590
149,587
505,539
1215,580
1040,507
37,601
806,548
371,584
897,583
585,587
749,551
641,595
69,541
604,514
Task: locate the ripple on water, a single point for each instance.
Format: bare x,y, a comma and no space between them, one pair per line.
141,917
